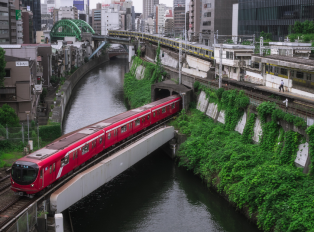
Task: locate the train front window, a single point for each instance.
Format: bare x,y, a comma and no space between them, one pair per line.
24,173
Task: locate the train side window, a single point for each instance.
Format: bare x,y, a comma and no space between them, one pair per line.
76,153
54,167
164,110
64,161
100,140
41,173
173,106
109,135
123,129
137,122
73,155
147,117
85,149
154,114
143,119
50,169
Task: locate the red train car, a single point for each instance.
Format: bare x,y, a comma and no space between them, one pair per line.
41,169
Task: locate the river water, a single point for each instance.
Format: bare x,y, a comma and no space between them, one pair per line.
154,195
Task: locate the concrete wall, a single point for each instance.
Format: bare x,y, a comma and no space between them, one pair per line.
69,85
101,173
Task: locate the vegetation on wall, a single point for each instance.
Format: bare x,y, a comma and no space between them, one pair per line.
260,178
138,92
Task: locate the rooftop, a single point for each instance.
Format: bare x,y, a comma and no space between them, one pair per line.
12,58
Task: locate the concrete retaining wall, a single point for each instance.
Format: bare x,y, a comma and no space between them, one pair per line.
69,85
101,173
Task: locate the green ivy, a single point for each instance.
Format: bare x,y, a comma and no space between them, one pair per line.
248,131
310,132
138,92
253,177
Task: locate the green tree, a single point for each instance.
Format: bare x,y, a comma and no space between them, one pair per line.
43,95
2,67
311,27
297,27
305,27
8,116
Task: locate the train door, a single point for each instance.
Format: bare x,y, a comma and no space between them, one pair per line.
41,179
74,158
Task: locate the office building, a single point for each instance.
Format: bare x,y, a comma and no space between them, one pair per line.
216,15
272,16
195,12
159,10
148,7
28,35
96,18
35,8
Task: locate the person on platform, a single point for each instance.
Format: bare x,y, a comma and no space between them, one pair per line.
281,86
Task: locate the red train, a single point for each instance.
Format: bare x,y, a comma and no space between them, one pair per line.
40,169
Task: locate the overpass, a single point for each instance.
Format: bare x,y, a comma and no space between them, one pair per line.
192,48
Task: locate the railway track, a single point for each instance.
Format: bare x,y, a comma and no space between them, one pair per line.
5,183
13,206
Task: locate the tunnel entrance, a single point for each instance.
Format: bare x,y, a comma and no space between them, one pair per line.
161,93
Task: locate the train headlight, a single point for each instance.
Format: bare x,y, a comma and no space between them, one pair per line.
32,185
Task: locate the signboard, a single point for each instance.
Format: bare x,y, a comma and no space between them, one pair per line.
190,25
18,15
21,63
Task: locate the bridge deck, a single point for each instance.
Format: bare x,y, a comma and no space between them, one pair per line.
101,173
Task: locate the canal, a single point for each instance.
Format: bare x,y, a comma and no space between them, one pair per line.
153,195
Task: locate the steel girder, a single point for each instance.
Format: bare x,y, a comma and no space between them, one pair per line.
70,27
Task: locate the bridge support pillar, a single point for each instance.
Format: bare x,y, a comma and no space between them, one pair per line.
59,222
131,52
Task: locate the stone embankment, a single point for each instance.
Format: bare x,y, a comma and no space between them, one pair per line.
64,94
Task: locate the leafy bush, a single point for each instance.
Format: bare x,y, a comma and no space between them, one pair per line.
8,116
50,133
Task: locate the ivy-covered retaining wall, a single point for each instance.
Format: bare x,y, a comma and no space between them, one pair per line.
138,81
259,178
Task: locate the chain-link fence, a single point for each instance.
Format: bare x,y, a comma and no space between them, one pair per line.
40,135
26,222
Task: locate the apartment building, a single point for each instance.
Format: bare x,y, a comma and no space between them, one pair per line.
148,7
22,86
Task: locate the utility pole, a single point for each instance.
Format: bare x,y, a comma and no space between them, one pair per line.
261,44
220,65
180,58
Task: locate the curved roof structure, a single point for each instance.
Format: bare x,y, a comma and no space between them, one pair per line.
70,27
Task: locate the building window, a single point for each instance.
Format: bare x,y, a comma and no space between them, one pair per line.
7,73
4,31
207,5
207,23
229,55
208,14
4,14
